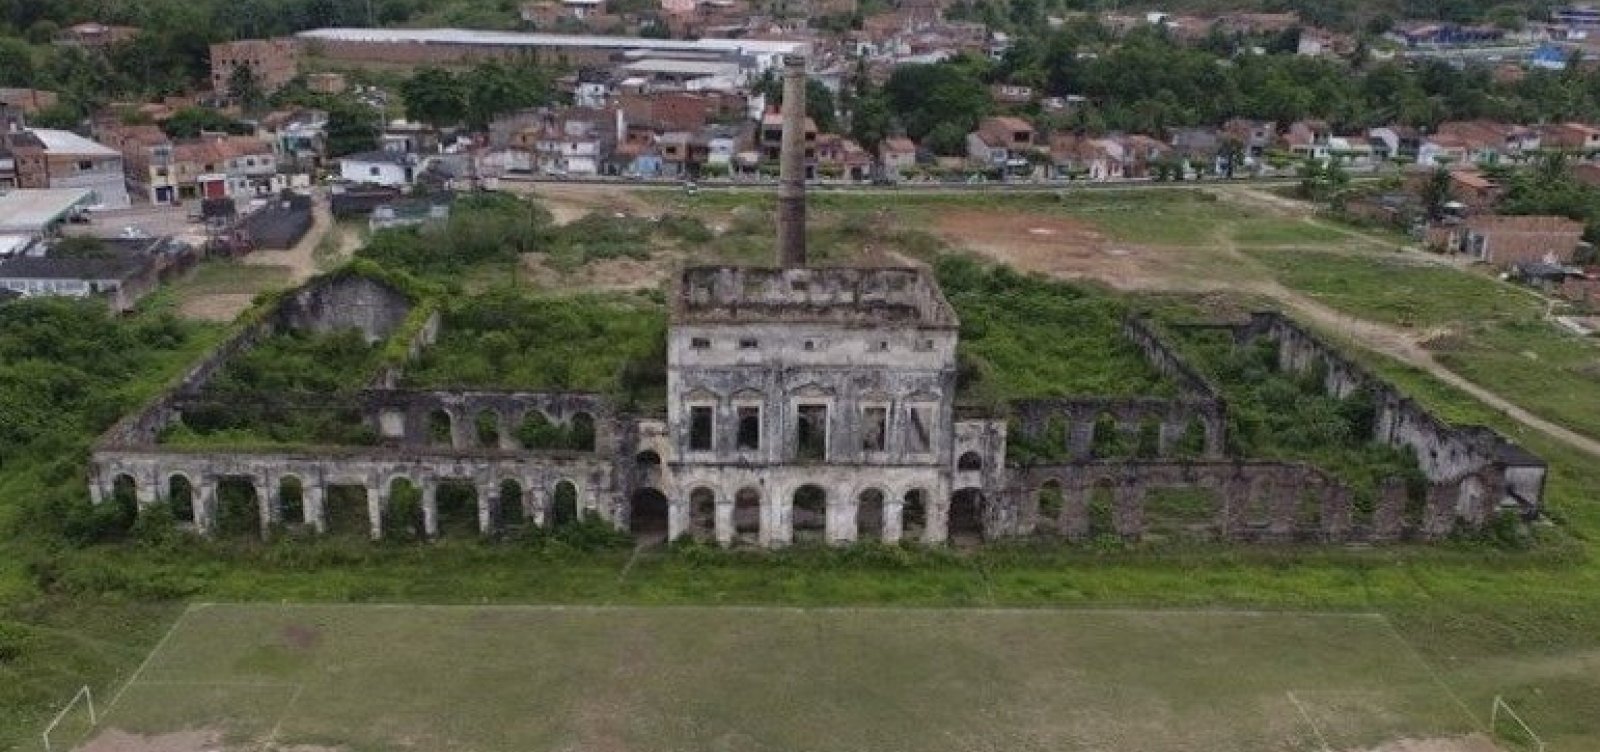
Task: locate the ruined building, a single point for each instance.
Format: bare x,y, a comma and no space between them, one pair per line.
815,404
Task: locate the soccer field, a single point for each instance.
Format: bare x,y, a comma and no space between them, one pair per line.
596,678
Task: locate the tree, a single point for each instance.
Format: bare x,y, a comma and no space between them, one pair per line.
493,89
245,88
16,63
870,123
190,121
819,100
925,97
1436,193
352,127
434,96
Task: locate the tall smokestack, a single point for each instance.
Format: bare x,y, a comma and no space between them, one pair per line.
792,166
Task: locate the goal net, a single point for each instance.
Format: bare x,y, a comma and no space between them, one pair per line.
73,723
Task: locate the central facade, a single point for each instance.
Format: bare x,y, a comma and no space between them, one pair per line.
816,402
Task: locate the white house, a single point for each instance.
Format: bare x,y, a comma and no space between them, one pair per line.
379,167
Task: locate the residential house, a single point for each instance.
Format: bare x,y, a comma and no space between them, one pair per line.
95,36
722,144
1572,137
147,159
897,154
407,137
129,269
769,140
380,168
236,167
272,61
1081,157
1001,142
1255,137
1474,191
1394,142
1010,95
1199,146
411,212
48,158
1504,241
1477,142
1308,139
327,83
674,148
28,101
840,156
297,138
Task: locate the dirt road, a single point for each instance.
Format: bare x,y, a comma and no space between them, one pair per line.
299,263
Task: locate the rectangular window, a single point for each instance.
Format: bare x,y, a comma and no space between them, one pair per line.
700,429
750,427
811,433
748,344
874,428
85,165
700,343
919,436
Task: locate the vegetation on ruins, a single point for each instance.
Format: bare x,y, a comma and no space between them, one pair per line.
1029,336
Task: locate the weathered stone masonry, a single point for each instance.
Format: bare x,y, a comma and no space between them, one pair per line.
819,404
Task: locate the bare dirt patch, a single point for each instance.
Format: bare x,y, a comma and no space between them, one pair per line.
1469,743
603,275
571,202
219,308
115,740
301,636
1058,246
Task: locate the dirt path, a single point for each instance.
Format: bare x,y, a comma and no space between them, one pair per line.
301,259
300,263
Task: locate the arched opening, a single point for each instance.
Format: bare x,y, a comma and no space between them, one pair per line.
1108,439
1192,443
456,501
439,428
1051,502
344,509
1102,499
914,515
648,459
487,427
1183,512
969,462
580,433
1056,443
647,517
966,517
1148,445
291,500
747,515
564,504
510,514
238,509
537,432
703,513
125,499
402,515
180,498
869,515
810,513
1470,499
647,468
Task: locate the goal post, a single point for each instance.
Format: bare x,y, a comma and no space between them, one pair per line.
85,696
1519,730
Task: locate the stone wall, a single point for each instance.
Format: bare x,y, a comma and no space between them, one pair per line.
1447,454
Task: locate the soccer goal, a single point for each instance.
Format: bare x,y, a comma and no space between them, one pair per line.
83,696
1517,730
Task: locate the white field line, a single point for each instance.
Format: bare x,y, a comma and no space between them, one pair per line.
272,736
1322,740
1438,679
150,657
559,607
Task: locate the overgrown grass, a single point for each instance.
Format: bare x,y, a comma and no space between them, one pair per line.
1396,289
512,339
1028,336
1550,371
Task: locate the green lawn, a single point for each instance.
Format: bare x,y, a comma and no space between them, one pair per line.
527,679
1550,371
1396,289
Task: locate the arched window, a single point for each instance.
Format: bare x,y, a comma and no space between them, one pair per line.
970,461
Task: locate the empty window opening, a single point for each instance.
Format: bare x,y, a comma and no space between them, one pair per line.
700,343
703,513
749,427
700,429
811,433
647,517
748,344
874,429
919,437
970,461
810,513
869,515
747,515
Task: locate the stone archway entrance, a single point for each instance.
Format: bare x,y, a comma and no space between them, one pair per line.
966,517
647,517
